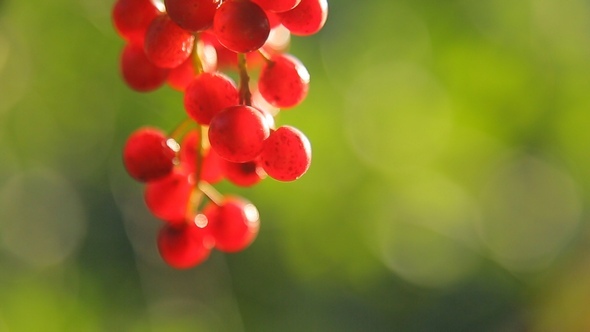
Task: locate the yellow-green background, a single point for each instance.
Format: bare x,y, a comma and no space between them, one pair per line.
448,189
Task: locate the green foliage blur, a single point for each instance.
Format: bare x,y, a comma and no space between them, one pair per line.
448,189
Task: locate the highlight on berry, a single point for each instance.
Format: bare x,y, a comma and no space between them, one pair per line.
229,128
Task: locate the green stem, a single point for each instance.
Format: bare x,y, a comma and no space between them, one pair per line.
181,129
199,155
197,62
245,94
214,196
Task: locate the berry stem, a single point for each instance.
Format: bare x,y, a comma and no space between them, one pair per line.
245,94
198,64
181,129
265,56
214,196
193,202
199,155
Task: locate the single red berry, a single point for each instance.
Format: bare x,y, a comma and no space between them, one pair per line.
184,245
166,44
149,155
131,18
241,25
139,73
192,15
307,18
284,81
286,155
208,94
238,133
243,174
277,5
234,224
168,198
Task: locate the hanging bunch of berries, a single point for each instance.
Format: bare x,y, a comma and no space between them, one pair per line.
229,131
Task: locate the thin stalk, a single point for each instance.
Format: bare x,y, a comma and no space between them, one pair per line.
245,94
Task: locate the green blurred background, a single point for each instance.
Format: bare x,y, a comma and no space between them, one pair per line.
448,188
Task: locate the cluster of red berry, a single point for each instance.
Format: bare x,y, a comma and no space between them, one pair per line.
229,131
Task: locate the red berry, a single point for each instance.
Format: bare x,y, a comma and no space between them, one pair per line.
149,155
166,44
233,224
286,155
192,15
277,5
238,133
168,197
131,18
307,18
241,25
284,81
243,174
138,72
208,94
184,245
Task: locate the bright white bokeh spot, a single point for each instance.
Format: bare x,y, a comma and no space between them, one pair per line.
251,213
201,220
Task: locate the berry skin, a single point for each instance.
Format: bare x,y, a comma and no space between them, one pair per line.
241,25
284,81
238,133
166,44
167,198
149,155
307,18
207,95
131,18
234,224
184,245
180,77
243,174
192,15
139,73
277,5
286,155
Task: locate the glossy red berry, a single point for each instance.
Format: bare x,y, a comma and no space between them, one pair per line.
307,18
234,224
168,198
184,245
149,155
208,94
238,133
283,81
241,25
192,15
166,44
277,5
131,18
286,155
139,73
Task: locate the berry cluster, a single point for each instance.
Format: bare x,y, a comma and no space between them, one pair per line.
229,131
